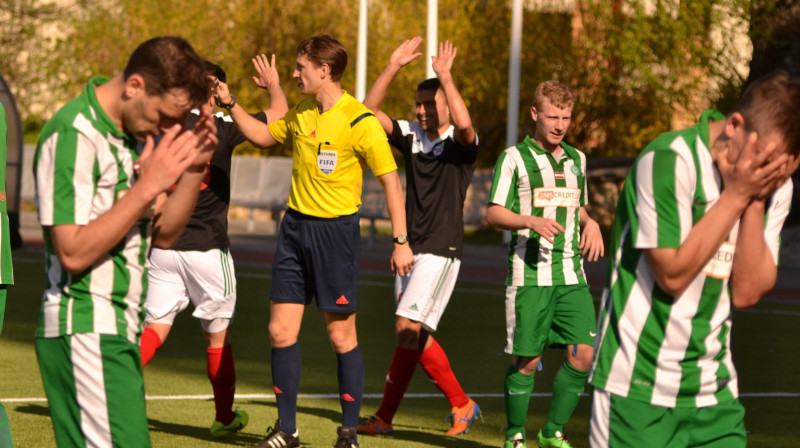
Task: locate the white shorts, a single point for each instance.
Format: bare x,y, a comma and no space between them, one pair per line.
423,294
207,279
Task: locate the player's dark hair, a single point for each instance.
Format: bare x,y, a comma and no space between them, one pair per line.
167,63
556,93
216,71
430,84
325,50
772,103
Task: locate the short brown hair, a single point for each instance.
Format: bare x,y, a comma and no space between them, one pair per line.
556,93
167,63
325,50
772,103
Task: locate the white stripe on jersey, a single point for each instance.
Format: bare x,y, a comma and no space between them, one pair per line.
631,323
90,388
90,145
685,185
136,272
102,284
782,199
44,180
525,207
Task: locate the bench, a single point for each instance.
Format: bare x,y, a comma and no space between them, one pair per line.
261,182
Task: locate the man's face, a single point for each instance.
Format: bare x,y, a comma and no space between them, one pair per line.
308,75
551,123
153,114
431,110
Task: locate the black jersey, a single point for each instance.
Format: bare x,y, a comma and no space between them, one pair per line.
208,227
437,176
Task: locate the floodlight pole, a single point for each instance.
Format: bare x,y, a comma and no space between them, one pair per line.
361,58
432,39
515,50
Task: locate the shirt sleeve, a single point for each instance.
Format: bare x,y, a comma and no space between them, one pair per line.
778,210
505,181
664,186
280,128
370,142
65,184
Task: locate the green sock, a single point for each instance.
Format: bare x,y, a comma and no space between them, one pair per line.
518,389
568,385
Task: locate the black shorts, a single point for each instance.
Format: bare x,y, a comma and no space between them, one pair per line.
318,257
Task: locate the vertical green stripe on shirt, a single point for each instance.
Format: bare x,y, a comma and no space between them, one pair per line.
63,183
669,232
82,312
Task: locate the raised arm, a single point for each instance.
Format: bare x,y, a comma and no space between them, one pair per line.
401,56
675,268
459,115
269,80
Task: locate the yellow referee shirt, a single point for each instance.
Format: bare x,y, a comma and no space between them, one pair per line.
329,153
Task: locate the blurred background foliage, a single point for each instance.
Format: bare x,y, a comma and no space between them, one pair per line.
639,68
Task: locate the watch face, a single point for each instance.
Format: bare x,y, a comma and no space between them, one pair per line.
401,239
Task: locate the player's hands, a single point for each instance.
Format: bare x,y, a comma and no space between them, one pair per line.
755,172
205,131
402,259
545,227
221,93
267,73
591,245
161,166
444,62
406,52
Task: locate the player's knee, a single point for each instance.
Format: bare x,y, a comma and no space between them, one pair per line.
581,358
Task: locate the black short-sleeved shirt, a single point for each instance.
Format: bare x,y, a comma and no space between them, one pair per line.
208,227
437,176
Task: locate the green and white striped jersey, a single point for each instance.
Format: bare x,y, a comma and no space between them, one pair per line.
663,350
529,182
6,266
83,165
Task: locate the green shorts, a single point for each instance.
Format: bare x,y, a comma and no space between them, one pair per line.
95,390
624,422
538,316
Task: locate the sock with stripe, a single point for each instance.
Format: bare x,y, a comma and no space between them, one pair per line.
435,363
222,374
286,369
567,387
150,342
350,371
404,363
517,391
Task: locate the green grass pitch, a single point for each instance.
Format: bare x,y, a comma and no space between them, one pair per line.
766,344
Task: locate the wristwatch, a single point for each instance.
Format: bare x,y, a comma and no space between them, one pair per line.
400,239
229,105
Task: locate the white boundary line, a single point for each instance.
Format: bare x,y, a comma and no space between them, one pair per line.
375,396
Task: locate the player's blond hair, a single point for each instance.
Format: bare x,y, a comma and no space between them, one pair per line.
556,93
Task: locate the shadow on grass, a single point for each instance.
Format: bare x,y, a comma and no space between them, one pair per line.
201,433
34,409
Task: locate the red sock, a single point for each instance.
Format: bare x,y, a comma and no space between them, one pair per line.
222,374
150,343
435,363
402,369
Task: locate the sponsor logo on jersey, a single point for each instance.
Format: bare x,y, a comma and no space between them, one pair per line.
347,397
342,300
413,307
721,263
557,197
326,161
313,134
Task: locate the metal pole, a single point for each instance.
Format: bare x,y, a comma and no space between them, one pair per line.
515,50
432,38
361,59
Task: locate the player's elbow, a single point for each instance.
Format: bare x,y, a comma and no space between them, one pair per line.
674,286
74,265
745,300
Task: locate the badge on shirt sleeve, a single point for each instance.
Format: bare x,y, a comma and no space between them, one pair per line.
326,161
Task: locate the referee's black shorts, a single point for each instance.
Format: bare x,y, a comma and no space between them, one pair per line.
318,257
